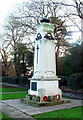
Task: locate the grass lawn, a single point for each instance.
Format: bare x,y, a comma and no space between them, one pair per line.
12,96
5,117
13,89
75,113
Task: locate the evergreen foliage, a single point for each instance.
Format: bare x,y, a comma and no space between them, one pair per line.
22,80
22,56
72,63
75,81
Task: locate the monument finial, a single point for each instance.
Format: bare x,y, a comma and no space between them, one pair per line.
45,16
45,19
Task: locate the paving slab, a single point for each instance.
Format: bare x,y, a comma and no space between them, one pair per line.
32,110
15,113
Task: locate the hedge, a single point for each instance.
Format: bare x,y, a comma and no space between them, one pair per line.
75,81
63,81
23,80
10,79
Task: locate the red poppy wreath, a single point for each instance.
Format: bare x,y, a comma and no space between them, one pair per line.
58,97
45,98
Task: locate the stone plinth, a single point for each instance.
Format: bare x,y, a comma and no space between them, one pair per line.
50,85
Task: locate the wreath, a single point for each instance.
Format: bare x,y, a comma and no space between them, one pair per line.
45,98
58,97
33,95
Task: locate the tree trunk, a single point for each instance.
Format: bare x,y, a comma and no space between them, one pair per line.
57,61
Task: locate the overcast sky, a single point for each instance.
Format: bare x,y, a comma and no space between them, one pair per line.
7,6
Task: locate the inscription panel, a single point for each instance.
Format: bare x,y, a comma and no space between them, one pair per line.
34,86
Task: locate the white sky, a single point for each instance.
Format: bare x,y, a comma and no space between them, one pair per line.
7,6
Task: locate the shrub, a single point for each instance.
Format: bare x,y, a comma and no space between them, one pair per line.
63,80
4,79
75,81
10,79
24,81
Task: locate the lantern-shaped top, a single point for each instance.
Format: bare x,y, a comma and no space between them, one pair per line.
45,20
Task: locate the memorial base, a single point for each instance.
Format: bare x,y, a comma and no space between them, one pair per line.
42,104
49,85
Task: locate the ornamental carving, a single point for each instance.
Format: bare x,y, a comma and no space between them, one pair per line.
38,36
49,36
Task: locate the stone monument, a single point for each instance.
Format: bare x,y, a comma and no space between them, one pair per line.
44,78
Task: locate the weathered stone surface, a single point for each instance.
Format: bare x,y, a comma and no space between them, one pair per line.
44,62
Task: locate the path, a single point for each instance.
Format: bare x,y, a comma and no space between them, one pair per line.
73,95
12,92
16,109
14,113
14,85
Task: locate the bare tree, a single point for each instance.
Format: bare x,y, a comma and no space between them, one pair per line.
24,24
5,53
79,5
31,13
71,11
14,34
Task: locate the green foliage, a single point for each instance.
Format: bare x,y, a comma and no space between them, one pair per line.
75,81
10,79
24,81
63,80
19,58
67,66
49,98
22,56
16,80
72,63
29,58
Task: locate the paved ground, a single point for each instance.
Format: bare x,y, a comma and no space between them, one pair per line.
14,85
16,109
14,113
73,95
12,92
